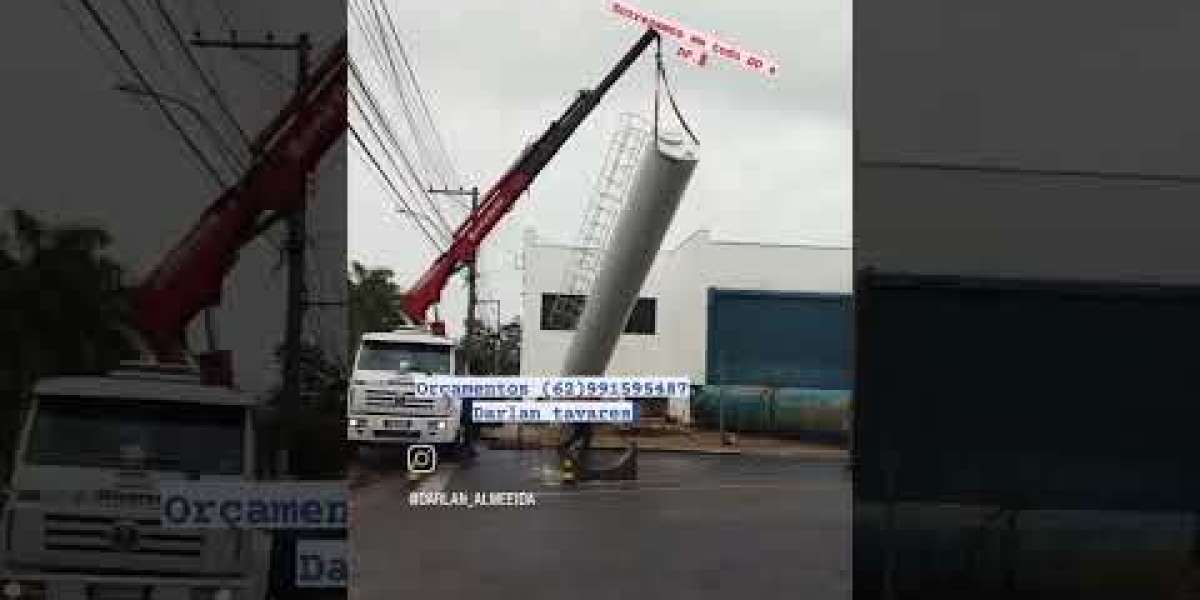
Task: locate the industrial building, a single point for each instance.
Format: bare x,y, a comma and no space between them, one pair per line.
723,313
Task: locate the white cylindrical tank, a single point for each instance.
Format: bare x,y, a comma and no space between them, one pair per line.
657,189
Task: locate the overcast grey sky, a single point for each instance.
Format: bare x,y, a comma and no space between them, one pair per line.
775,153
78,151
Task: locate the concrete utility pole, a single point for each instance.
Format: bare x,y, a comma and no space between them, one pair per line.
472,267
297,233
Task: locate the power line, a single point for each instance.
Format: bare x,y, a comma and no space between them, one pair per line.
218,141
1132,176
380,116
381,52
437,136
132,65
159,55
224,151
84,33
422,148
379,48
212,90
390,208
280,80
384,145
395,191
441,234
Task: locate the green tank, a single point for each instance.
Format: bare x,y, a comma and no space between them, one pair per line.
755,409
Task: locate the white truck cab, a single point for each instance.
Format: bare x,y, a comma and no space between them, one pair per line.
82,518
381,405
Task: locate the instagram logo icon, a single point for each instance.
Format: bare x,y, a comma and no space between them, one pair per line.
422,458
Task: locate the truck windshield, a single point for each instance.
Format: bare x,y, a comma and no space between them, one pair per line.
393,356
158,436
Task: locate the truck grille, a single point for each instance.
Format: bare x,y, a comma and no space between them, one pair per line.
99,534
414,402
392,433
393,399
119,500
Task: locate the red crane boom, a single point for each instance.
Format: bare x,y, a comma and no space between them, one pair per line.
504,193
190,276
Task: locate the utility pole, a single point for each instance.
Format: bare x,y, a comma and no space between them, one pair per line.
472,267
296,223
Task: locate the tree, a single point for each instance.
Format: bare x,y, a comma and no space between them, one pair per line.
314,431
62,309
375,306
487,352
374,303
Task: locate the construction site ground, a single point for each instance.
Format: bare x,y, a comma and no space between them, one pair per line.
702,525
668,438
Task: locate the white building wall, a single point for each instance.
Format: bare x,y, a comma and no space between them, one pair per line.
542,352
680,281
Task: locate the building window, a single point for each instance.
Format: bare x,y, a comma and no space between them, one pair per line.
560,312
642,319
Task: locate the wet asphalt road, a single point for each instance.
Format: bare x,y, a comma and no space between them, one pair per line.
692,526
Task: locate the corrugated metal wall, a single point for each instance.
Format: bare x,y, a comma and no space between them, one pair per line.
779,339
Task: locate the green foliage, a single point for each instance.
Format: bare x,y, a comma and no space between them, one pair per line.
61,308
375,306
485,351
315,427
374,301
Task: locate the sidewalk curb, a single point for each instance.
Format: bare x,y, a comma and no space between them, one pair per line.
714,451
834,456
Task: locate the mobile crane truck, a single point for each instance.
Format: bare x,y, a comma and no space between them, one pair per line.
381,405
82,518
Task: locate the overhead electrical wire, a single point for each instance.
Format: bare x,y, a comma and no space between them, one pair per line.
383,57
203,77
376,37
405,104
145,83
381,117
278,79
104,57
387,143
391,207
395,191
97,50
228,155
444,155
369,119
394,72
442,236
159,56
373,116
